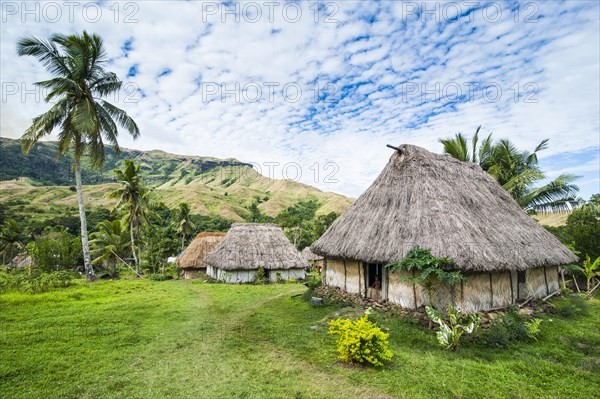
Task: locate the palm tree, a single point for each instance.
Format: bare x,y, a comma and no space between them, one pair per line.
517,172
184,224
132,197
83,119
110,244
11,239
458,148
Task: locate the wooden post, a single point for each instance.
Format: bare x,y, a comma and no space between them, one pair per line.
512,294
345,275
366,272
414,289
546,281
384,272
359,285
491,292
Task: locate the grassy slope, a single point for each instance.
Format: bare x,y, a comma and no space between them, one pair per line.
552,219
184,339
224,192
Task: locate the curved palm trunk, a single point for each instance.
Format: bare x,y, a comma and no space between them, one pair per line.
135,259
85,246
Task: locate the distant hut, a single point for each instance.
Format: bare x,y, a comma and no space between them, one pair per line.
21,261
458,211
310,256
248,247
191,260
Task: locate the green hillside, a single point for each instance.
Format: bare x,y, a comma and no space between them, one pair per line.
42,167
39,186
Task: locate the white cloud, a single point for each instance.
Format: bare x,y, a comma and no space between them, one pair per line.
371,55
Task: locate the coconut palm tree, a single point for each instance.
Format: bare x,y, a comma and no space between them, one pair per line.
458,148
517,171
132,196
110,244
83,119
185,226
11,239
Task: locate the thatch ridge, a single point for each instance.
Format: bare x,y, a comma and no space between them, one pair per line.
455,208
193,256
310,255
250,246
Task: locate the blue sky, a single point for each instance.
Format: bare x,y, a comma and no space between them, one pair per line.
323,87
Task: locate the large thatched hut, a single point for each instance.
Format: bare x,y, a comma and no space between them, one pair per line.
191,260
248,247
458,211
310,256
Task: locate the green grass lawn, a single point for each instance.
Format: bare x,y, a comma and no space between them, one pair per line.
185,339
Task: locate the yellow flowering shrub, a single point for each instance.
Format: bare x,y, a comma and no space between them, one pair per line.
360,341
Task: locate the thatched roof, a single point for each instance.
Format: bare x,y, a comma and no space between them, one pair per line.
21,260
310,255
452,207
250,246
193,256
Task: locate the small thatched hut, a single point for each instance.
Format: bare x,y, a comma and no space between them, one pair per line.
248,247
458,211
21,261
191,261
310,256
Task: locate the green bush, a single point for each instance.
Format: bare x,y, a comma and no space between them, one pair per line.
56,250
360,341
570,306
458,324
160,277
533,328
582,229
12,281
432,271
278,278
261,276
38,282
505,329
313,282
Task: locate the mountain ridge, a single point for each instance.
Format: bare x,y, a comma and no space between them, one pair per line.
37,185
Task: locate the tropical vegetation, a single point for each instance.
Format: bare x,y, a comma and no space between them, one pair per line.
582,229
132,199
517,171
83,119
360,341
110,245
12,236
458,324
431,271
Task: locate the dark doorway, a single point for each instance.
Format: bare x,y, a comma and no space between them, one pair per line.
374,274
374,280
